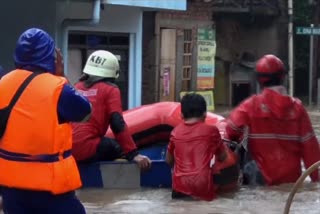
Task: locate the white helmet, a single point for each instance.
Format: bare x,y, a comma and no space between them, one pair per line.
102,64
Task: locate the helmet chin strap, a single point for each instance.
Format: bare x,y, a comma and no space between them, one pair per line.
117,74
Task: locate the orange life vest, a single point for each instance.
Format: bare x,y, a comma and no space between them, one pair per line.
35,150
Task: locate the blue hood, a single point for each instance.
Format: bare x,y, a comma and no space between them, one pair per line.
35,50
2,72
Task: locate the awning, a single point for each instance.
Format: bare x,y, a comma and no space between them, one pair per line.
155,4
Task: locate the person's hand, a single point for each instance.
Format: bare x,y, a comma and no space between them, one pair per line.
143,162
59,63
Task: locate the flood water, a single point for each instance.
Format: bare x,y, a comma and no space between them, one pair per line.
264,200
245,201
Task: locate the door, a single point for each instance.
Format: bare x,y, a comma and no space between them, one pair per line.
74,65
123,79
240,91
167,65
82,44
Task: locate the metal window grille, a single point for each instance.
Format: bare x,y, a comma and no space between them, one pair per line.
187,60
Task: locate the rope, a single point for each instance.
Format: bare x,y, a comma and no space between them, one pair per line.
298,184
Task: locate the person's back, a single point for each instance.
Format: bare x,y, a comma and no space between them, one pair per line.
38,162
279,131
103,97
195,144
89,141
192,146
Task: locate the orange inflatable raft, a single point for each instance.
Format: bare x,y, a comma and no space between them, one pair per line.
151,124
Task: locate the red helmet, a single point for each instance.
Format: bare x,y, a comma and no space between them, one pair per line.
268,68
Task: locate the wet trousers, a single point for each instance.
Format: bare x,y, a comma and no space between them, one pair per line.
107,150
17,201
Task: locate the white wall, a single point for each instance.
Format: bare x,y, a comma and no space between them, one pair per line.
113,18
159,4
118,19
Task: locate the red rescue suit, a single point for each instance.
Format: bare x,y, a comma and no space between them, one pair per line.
193,146
106,100
280,135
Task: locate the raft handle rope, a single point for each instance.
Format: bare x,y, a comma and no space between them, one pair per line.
298,184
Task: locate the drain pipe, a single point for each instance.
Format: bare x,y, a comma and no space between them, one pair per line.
290,48
78,22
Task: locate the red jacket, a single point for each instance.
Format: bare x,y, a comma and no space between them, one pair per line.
280,135
105,99
193,146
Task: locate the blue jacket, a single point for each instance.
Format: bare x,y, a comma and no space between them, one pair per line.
35,51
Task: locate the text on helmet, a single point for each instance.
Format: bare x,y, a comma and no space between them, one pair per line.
98,60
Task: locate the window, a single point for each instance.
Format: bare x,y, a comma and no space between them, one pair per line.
187,60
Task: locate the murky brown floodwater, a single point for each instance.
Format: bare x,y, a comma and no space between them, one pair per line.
264,200
246,201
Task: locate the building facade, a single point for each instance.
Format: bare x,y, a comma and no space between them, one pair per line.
242,32
164,47
81,27
170,51
245,32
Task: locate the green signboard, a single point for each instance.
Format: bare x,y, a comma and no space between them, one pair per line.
206,58
206,34
308,31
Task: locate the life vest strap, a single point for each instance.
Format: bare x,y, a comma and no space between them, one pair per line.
43,158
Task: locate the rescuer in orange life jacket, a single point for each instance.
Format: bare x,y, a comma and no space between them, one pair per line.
280,133
38,172
89,141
